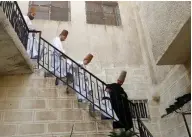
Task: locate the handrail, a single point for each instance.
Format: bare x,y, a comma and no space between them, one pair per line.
15,17
144,132
72,60
86,84
21,14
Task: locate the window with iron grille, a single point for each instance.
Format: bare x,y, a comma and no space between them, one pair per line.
103,12
52,10
141,108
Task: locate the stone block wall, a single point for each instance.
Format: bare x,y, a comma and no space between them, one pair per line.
31,106
160,22
169,81
177,83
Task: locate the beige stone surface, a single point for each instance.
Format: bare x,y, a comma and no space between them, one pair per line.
104,126
72,135
22,92
180,47
25,129
72,115
60,127
97,135
85,127
60,104
164,21
11,116
46,115
33,104
8,104
7,130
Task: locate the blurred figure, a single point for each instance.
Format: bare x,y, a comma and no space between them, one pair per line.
29,17
32,45
55,56
119,103
81,81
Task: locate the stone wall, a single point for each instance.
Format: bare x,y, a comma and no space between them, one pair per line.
31,106
158,24
164,21
161,22
175,85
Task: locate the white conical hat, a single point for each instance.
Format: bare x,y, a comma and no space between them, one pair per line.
122,76
32,10
88,58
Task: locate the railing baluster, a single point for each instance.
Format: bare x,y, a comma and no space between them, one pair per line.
48,57
60,66
54,55
39,51
98,94
104,97
73,75
79,80
85,83
92,91
44,53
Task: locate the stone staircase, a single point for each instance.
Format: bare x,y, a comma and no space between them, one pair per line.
31,105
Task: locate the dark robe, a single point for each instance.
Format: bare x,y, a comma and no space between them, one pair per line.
119,103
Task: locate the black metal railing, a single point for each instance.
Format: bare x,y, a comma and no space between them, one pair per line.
141,107
73,74
13,14
87,86
143,131
187,123
33,43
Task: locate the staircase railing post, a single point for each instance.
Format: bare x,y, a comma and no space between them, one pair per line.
39,49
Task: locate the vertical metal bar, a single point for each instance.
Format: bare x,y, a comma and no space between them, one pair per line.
137,109
44,53
144,108
85,83
54,54
98,94
132,110
66,71
186,125
32,44
8,5
109,102
140,109
6,8
124,108
79,80
60,65
92,91
104,97
39,47
48,57
73,75
140,128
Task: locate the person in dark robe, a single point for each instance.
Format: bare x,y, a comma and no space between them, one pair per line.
120,104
